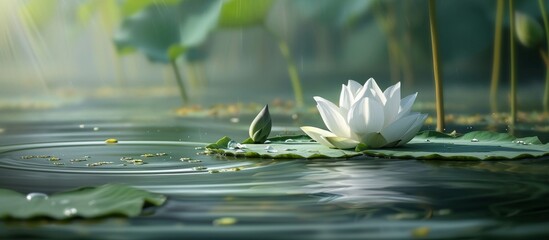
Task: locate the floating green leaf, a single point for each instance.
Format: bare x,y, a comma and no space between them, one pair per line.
88,202
428,145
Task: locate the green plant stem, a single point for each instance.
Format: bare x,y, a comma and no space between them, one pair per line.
292,71
546,25
439,101
179,81
513,73
496,60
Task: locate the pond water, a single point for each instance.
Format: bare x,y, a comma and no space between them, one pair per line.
222,197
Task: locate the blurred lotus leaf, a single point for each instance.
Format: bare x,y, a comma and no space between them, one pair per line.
157,28
87,202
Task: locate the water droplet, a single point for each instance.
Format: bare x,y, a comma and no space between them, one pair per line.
289,140
70,211
232,145
36,196
241,146
474,140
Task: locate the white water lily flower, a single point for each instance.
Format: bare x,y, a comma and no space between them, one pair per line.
367,115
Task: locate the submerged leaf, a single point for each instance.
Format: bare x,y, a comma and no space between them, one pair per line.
88,202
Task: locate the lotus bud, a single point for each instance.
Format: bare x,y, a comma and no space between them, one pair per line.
529,31
261,126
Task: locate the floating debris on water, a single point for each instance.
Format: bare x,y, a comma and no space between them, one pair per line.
97,164
39,156
126,158
474,140
239,151
199,148
213,171
111,140
235,120
427,140
189,160
161,154
54,159
199,168
290,149
267,142
289,140
37,196
137,162
87,157
420,232
224,221
78,160
148,155
58,163
81,126
96,129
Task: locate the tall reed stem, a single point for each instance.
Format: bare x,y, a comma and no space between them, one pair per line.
513,71
546,26
496,60
439,100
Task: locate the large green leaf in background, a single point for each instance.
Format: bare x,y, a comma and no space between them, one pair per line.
427,145
159,27
89,202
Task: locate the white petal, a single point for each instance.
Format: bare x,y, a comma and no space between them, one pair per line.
342,143
353,87
332,117
412,132
345,98
317,134
406,105
392,106
371,90
366,116
396,130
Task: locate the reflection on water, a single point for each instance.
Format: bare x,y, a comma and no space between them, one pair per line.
358,198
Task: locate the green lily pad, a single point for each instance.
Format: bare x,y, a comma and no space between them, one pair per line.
428,145
88,202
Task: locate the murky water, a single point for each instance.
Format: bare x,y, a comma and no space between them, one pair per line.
218,197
